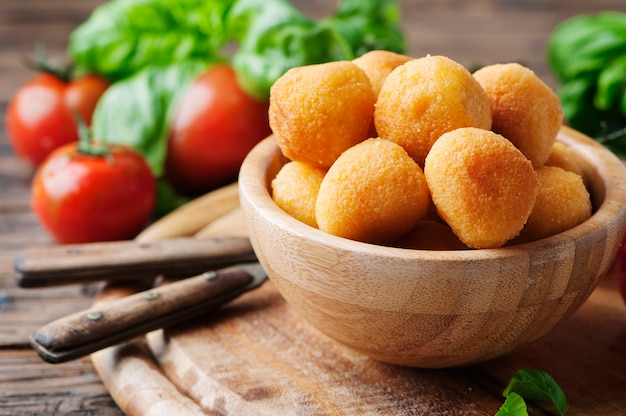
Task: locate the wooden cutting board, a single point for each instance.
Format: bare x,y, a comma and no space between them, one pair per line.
256,356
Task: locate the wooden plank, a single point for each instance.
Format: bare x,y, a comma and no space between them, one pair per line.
27,387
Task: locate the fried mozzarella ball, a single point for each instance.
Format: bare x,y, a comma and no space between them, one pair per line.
481,185
562,202
426,97
378,64
318,111
525,110
562,157
375,192
294,190
431,235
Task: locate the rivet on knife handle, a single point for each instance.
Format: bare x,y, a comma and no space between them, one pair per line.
102,326
124,260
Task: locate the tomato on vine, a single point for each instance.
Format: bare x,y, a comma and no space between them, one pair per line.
215,125
88,191
39,117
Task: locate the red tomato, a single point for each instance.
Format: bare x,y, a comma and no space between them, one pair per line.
82,198
620,268
40,115
215,126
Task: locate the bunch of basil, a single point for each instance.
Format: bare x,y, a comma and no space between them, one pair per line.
587,54
152,49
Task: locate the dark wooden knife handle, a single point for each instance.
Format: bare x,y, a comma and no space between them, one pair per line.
104,325
128,260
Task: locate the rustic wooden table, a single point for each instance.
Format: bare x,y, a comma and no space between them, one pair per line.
471,32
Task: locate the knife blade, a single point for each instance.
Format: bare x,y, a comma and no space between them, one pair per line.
102,326
124,260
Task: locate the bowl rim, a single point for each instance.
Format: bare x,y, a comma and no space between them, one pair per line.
254,188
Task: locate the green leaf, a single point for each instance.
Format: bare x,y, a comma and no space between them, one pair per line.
599,49
587,54
514,405
566,38
275,37
611,84
577,101
369,25
137,111
538,387
585,43
612,20
122,37
167,199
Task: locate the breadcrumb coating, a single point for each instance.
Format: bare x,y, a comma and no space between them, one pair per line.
481,185
420,153
373,193
318,111
524,109
431,235
563,157
294,190
426,97
378,65
562,203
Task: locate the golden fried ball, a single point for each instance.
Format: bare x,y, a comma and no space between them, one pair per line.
562,203
563,157
426,97
373,193
524,109
481,185
318,111
378,64
431,235
294,190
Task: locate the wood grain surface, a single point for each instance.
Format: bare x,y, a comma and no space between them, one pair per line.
476,32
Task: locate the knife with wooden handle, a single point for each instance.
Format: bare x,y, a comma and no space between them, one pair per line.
123,260
114,322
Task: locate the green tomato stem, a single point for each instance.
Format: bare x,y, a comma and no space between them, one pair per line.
41,63
86,144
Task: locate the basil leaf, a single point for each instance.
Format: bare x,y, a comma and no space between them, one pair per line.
369,25
611,84
582,43
167,199
122,37
538,387
514,405
275,37
576,98
564,41
587,54
601,48
137,111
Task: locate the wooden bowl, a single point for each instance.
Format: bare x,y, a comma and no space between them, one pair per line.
436,308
